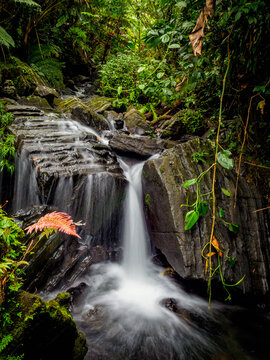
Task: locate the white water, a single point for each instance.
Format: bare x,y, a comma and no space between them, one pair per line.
124,313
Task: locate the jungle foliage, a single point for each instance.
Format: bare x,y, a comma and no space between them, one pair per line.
142,54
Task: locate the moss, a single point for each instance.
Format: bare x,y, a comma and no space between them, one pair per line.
45,329
161,169
147,199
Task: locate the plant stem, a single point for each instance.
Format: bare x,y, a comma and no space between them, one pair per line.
214,178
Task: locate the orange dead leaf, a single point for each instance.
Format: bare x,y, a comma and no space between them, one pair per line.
99,139
212,253
216,245
168,271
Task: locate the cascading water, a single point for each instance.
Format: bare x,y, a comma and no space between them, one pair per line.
126,314
128,311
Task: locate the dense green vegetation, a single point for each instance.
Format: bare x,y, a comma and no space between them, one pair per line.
142,54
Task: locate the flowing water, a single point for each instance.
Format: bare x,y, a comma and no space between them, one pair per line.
132,311
129,310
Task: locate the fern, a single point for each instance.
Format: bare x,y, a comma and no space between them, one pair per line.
27,2
5,38
55,220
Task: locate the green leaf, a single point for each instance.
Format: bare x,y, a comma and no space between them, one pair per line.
5,38
221,212
119,90
259,88
181,4
231,261
203,208
174,46
141,69
160,74
191,219
234,227
165,38
189,182
224,160
187,24
226,192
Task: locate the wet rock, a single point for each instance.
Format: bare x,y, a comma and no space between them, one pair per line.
45,330
71,171
138,146
163,180
46,92
76,292
23,110
98,254
90,118
95,317
136,122
115,119
36,101
82,112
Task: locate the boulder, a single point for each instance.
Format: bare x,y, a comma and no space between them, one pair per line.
82,112
46,92
44,330
142,147
163,180
9,90
36,101
99,104
136,122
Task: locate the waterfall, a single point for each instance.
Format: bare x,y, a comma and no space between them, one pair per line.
26,191
127,310
135,237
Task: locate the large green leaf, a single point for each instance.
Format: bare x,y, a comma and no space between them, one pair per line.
224,159
203,208
5,38
191,219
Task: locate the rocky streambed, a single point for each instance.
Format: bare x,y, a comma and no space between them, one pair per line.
68,160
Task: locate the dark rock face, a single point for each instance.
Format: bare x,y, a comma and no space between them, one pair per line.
162,185
142,147
45,330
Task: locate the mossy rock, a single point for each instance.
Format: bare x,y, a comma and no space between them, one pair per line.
99,104
136,122
37,101
184,122
45,330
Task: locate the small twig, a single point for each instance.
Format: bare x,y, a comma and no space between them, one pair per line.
242,148
261,166
266,208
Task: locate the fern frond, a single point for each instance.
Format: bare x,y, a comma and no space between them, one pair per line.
5,38
56,220
27,2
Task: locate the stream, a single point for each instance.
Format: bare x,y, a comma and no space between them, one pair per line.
128,308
